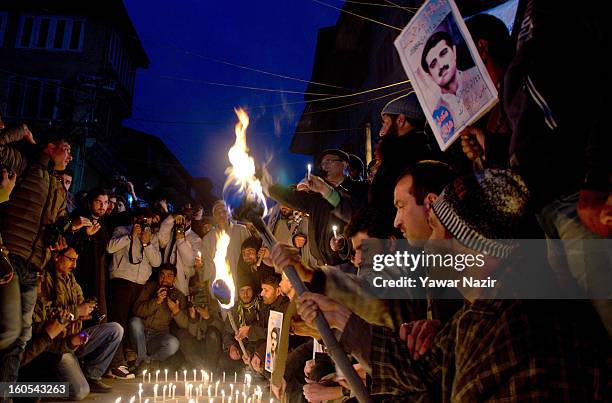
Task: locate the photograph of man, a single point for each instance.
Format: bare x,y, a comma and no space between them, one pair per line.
462,93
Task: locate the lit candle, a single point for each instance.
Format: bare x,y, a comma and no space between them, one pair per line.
166,375
132,399
237,396
231,389
223,396
176,376
164,392
194,375
202,373
156,376
146,401
143,375
335,229
140,396
211,377
235,376
149,377
209,386
243,397
117,400
309,170
155,392
185,375
216,388
230,399
223,376
199,255
173,391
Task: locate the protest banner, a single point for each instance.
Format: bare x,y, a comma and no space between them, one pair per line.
275,324
446,72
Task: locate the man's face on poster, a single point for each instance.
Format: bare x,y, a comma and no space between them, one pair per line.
442,63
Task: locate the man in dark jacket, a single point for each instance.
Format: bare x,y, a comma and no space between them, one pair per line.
310,197
245,312
91,245
27,227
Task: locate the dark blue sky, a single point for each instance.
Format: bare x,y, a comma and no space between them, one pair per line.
273,35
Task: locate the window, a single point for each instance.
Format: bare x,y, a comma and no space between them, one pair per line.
3,22
50,33
120,62
33,98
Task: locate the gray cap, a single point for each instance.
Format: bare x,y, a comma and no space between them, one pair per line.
407,105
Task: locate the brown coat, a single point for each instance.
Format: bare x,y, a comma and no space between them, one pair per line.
37,201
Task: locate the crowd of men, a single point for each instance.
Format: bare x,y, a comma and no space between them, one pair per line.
93,286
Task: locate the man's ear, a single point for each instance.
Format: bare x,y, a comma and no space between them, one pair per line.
49,148
429,200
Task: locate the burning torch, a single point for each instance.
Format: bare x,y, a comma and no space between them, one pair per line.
223,287
244,195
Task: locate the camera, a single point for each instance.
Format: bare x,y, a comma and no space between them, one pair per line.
96,315
53,231
179,224
145,224
199,298
62,315
171,293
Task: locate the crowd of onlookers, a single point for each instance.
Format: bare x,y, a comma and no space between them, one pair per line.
103,284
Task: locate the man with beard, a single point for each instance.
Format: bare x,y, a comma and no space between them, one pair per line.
246,312
91,244
458,88
250,264
317,197
403,143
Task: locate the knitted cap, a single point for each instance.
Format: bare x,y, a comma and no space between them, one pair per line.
407,105
481,210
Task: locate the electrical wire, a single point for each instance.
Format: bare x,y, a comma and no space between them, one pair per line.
246,87
356,103
357,15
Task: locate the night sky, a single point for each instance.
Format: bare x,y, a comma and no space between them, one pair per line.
195,120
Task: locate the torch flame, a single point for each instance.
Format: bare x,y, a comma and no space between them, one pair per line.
222,268
242,169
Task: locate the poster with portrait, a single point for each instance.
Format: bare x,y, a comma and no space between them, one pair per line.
275,324
445,70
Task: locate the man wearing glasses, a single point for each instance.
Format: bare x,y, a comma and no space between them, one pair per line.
82,355
316,196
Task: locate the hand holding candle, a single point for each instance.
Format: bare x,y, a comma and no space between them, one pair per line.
335,229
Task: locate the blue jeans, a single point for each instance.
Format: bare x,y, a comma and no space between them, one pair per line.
91,360
151,344
575,254
17,300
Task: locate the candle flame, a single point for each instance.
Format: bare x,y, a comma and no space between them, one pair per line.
222,269
241,173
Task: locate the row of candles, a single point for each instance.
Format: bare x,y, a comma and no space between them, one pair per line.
205,377
197,392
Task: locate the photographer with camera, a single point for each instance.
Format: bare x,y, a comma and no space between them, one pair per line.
29,234
159,306
135,251
83,354
181,246
201,342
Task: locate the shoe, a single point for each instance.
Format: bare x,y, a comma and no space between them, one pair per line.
120,372
97,386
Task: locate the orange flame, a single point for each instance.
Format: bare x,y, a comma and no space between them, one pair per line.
242,169
222,268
